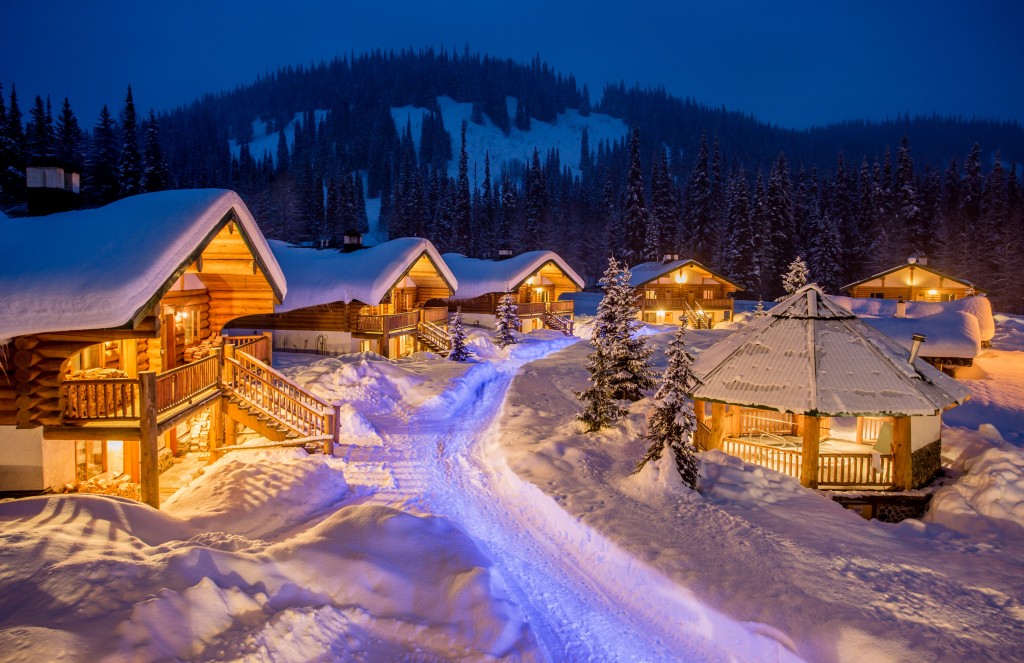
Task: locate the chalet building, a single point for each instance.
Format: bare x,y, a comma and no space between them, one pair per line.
672,290
537,280
812,391
389,299
110,339
913,281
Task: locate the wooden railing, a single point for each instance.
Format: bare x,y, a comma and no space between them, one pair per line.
702,436
532,308
870,427
675,303
786,461
846,470
764,421
834,470
563,307
180,385
435,315
286,402
255,346
110,399
387,323
435,335
724,302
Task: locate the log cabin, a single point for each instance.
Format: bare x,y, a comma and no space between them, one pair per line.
813,392
110,321
537,280
913,281
388,299
672,290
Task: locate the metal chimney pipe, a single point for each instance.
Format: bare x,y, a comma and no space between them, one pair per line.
901,308
918,339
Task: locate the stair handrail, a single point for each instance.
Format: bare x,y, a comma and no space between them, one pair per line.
259,392
435,334
293,390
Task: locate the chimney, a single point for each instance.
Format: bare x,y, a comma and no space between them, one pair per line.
918,339
922,260
504,252
669,257
51,188
352,240
901,308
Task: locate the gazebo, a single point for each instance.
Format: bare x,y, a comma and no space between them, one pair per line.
812,391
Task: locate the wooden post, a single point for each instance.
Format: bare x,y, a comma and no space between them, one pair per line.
809,466
334,425
216,430
860,430
270,347
148,439
698,409
902,458
717,425
737,418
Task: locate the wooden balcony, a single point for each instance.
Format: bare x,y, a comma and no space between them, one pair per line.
387,324
681,303
532,309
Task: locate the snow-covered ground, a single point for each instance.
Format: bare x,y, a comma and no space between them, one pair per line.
467,518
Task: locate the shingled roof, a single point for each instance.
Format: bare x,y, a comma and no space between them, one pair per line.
810,355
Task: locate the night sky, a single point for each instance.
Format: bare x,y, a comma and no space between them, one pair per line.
791,63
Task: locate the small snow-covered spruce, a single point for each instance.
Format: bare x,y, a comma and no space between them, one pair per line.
618,319
673,423
457,332
507,320
759,311
618,365
795,278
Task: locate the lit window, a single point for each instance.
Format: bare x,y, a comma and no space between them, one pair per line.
651,294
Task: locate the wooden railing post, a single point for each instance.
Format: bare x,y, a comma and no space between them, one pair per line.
270,347
148,440
717,425
809,466
902,454
334,428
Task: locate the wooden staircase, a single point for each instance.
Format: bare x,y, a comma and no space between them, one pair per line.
261,398
557,322
434,336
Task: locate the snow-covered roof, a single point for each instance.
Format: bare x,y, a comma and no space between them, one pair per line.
480,277
914,265
97,268
954,329
648,271
323,276
810,355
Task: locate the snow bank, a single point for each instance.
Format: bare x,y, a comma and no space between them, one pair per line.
255,493
988,499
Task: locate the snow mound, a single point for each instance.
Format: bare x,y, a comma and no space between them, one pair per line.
727,477
255,493
403,565
988,500
356,429
363,376
954,329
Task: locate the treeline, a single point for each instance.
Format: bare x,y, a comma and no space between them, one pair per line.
738,194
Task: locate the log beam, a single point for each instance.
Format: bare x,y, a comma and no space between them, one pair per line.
902,454
149,440
809,455
717,425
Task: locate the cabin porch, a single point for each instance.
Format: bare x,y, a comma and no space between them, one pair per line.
871,452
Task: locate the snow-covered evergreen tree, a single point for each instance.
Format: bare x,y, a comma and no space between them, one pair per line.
129,167
154,174
618,365
507,320
795,278
759,311
673,422
457,332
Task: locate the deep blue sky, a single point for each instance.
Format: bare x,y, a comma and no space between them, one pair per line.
791,63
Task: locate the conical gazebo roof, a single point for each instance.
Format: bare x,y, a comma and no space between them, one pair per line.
810,355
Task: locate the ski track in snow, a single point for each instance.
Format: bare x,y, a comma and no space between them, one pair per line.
449,463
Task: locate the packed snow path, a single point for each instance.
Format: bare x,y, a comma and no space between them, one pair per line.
584,597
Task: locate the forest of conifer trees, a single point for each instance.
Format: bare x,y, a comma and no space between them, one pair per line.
741,196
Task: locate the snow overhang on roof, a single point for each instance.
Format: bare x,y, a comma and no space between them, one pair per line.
480,277
811,356
324,276
97,268
649,271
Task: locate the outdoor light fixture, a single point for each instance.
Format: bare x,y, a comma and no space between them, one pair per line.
681,277
933,292
529,281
